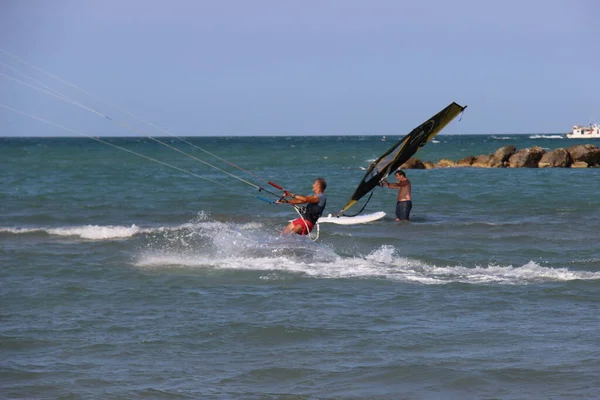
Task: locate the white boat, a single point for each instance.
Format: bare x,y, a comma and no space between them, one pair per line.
585,132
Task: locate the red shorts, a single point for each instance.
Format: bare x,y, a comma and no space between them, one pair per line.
303,223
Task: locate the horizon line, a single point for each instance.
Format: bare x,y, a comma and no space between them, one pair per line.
275,135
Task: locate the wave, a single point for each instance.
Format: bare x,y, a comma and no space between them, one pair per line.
103,233
382,263
219,247
546,137
90,232
208,245
106,232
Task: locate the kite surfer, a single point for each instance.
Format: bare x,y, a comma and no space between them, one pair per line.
309,214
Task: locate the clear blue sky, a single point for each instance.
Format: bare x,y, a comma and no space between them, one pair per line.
201,67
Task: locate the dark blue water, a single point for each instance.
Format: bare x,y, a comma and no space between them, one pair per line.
121,277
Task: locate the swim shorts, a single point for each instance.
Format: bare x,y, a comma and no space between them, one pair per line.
403,210
303,223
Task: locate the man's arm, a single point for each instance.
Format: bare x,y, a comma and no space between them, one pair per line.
299,199
392,185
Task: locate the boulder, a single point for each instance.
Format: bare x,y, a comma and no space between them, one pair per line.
587,153
556,158
445,163
413,163
504,153
465,162
526,158
429,165
486,161
579,164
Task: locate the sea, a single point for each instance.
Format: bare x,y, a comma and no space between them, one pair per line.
153,268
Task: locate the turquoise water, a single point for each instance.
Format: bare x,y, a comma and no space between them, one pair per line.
123,278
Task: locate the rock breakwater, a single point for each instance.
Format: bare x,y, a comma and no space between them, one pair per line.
577,156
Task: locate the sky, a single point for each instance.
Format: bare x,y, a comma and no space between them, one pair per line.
311,67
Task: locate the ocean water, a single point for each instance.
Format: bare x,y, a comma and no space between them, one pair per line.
123,277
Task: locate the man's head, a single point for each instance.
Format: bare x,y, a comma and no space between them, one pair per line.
400,173
320,183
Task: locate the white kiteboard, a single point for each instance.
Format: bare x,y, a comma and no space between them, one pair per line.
359,219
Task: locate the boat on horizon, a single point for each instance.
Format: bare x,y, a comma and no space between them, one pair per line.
591,131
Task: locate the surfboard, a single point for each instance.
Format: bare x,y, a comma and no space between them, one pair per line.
359,219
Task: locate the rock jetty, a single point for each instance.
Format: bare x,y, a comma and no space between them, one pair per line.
577,156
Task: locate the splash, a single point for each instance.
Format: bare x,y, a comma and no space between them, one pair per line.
221,246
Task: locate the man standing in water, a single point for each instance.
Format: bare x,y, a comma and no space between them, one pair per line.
311,212
404,204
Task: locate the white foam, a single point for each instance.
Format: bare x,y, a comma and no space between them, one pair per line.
311,260
546,137
96,232
88,232
20,231
202,222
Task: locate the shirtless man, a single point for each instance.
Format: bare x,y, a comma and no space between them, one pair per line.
311,212
404,204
